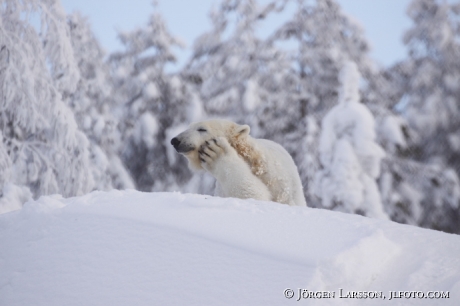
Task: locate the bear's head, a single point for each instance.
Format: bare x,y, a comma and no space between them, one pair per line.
189,141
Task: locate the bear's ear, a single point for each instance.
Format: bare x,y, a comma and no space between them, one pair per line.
243,130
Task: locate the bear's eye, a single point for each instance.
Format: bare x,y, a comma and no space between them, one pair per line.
201,130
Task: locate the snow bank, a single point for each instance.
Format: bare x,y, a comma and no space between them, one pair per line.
134,248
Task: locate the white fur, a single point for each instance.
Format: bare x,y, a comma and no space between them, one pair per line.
233,175
244,167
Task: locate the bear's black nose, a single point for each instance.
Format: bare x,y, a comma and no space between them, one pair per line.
175,142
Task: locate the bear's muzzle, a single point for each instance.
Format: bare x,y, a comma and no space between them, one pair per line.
180,146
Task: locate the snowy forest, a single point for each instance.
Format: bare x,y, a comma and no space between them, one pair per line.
383,142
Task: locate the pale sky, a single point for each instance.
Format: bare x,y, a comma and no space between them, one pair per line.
384,21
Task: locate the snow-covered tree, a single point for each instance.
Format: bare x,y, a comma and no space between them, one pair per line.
323,38
153,106
349,154
421,183
227,61
400,194
93,107
432,97
42,150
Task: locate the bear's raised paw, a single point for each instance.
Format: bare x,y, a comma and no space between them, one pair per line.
213,150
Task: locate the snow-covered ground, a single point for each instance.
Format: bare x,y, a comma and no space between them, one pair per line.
132,248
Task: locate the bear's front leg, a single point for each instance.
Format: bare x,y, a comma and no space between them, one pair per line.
232,173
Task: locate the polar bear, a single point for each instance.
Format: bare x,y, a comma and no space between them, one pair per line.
244,167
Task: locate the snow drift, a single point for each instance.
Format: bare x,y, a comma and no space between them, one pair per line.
134,248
